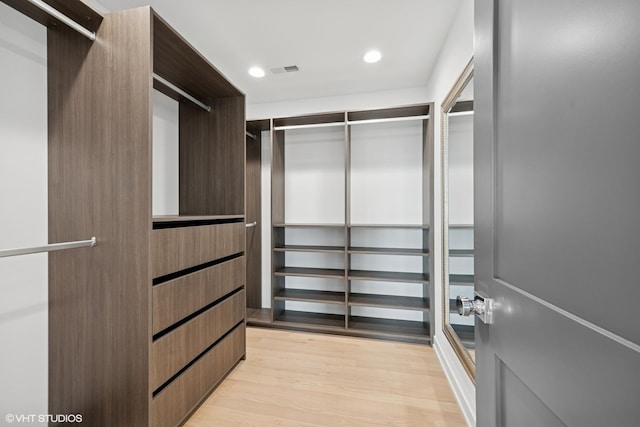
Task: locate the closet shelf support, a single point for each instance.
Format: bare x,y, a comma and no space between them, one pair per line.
48,248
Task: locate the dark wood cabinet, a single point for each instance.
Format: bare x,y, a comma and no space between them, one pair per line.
145,324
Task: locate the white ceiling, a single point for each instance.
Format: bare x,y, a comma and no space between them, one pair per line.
325,38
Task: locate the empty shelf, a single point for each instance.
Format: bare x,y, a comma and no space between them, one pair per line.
306,320
310,225
388,251
312,296
310,272
460,252
461,279
305,248
389,301
464,332
387,327
388,276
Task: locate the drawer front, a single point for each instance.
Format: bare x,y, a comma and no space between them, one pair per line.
174,403
176,299
176,249
175,350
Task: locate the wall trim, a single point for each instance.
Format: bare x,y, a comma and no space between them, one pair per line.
457,377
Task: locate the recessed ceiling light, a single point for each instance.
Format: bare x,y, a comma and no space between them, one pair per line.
256,72
372,56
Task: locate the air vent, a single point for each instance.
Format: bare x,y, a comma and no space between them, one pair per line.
286,69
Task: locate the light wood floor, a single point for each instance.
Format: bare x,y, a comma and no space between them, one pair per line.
302,379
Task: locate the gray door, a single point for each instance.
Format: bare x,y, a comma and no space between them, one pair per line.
557,202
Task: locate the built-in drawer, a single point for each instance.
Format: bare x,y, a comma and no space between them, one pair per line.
176,249
178,399
178,298
176,349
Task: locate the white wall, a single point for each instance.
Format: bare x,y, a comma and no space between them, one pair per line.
23,215
454,56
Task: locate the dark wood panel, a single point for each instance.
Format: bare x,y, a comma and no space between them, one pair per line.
99,185
178,298
311,296
389,113
175,350
391,276
254,214
177,61
77,10
277,177
212,158
310,272
185,218
311,119
176,249
171,406
258,316
257,126
389,301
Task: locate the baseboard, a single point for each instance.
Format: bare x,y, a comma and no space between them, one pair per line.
463,388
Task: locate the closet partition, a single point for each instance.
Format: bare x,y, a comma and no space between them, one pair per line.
145,324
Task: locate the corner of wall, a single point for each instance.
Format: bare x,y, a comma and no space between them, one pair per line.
461,385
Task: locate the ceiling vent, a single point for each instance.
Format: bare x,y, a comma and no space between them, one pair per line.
286,69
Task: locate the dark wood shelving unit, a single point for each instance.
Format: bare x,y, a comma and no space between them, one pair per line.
151,284
322,297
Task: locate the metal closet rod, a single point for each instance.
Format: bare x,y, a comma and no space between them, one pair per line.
63,18
48,248
250,135
181,92
353,122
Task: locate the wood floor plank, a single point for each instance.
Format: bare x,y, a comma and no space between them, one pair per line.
303,379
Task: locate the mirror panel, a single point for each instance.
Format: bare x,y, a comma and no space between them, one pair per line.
457,215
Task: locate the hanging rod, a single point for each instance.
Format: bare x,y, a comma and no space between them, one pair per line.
390,119
63,18
314,125
250,135
181,92
251,224
48,248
